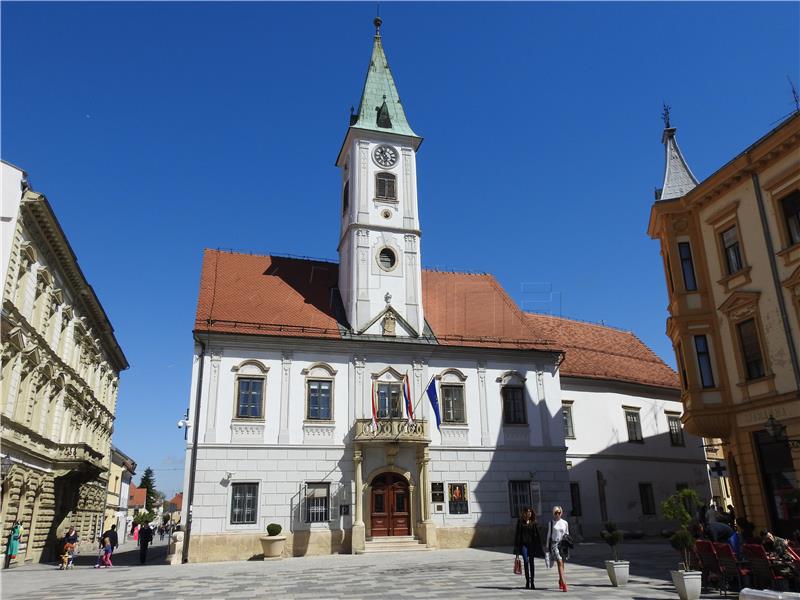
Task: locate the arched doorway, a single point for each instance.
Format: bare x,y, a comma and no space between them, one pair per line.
390,504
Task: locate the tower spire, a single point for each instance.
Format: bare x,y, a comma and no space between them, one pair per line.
380,108
678,177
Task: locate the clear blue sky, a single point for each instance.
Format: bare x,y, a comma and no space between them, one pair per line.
157,129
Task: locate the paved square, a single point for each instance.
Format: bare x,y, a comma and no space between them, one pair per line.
442,574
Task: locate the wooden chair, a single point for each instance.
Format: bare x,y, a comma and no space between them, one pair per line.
762,571
731,570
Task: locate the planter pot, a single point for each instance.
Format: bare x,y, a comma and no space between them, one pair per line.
618,571
272,546
687,583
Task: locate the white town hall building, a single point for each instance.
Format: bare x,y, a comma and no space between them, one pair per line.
299,374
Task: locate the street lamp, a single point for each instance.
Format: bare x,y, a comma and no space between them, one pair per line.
777,431
5,466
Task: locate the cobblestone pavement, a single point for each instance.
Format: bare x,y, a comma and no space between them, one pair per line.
443,574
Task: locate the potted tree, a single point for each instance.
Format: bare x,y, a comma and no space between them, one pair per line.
618,570
677,507
272,544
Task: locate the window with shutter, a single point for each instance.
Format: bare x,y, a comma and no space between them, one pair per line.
385,186
751,349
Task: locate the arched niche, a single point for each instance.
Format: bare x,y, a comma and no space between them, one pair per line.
319,369
451,376
250,367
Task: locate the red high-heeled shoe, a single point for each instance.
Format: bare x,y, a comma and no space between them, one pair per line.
561,585
564,587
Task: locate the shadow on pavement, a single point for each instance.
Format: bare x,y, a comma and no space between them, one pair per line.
127,557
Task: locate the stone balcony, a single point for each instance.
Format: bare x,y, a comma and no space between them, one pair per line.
392,430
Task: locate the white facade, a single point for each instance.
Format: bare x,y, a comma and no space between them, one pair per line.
12,183
612,470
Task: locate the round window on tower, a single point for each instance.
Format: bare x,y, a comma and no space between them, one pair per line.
387,259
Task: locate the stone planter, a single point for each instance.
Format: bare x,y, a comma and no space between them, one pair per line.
687,583
272,545
618,571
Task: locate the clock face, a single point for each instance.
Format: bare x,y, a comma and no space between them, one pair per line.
385,156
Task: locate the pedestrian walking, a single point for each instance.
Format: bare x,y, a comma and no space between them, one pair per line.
528,543
145,537
69,543
136,529
558,544
12,546
112,536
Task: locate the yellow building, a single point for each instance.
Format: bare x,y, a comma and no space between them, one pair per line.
120,473
731,251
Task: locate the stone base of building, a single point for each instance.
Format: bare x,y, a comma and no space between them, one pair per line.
475,536
247,546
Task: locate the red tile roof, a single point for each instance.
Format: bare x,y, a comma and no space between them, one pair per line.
600,352
137,497
276,296
177,501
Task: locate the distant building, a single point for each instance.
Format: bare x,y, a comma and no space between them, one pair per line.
60,373
312,379
123,468
175,504
731,251
137,501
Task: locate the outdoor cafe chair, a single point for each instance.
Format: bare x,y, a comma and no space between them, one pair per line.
731,569
761,568
712,574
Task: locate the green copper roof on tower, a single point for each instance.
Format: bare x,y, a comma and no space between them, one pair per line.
380,108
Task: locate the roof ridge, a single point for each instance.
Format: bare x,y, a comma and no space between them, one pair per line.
583,321
272,255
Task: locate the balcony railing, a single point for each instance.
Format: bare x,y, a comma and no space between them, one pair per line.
392,430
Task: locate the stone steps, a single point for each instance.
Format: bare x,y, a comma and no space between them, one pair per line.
397,543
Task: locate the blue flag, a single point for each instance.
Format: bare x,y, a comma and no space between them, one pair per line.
434,402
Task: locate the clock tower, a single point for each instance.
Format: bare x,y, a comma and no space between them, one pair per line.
380,277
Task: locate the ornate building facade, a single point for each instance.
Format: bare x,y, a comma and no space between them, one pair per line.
731,251
312,385
60,373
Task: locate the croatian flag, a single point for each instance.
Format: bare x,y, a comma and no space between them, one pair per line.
433,397
374,406
407,397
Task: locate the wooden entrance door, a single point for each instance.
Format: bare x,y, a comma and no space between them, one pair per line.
390,505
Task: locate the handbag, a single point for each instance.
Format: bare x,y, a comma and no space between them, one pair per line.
517,566
568,541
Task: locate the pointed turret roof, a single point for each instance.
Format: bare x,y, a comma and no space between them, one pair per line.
678,177
380,108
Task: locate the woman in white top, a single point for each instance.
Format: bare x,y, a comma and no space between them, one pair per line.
556,531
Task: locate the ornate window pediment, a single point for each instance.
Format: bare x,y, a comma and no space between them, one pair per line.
319,370
33,355
388,374
250,367
793,281
514,378
27,253
451,376
16,338
740,305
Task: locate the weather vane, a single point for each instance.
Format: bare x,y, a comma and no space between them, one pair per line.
665,114
795,97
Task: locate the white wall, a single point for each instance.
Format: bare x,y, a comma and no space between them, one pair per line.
11,185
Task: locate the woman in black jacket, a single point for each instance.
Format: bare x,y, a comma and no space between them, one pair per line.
528,543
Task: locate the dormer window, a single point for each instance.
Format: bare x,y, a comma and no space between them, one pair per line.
385,186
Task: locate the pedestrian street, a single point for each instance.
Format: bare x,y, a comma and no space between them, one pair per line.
443,574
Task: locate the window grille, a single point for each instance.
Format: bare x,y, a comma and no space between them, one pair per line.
317,502
453,402
675,431
519,493
513,406
244,503
634,426
248,401
319,400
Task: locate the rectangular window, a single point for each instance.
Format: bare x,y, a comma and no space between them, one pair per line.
390,401
513,406
244,503
575,494
791,212
682,366
704,361
675,430
457,498
687,266
385,186
453,403
569,430
634,426
519,495
317,502
733,253
437,491
249,398
751,349
647,499
319,400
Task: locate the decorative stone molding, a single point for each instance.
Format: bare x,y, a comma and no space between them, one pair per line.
247,432
516,436
318,433
455,435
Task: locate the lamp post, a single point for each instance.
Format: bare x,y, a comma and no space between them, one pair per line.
5,466
777,431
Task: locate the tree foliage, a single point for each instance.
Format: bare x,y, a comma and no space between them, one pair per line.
612,536
681,507
148,482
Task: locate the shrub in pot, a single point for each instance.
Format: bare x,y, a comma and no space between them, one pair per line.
679,507
272,544
618,570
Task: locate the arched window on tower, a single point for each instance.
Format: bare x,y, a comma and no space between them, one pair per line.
385,186
346,197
